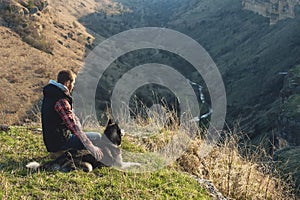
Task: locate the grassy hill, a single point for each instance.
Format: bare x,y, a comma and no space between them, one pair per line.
20,146
231,174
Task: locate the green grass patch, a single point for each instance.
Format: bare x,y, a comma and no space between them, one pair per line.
292,107
20,146
295,71
288,162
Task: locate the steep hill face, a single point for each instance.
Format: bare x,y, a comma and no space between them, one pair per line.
252,55
38,38
275,10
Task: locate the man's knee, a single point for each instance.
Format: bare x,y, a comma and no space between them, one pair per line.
93,136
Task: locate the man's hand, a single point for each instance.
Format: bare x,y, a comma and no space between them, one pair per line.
95,151
98,153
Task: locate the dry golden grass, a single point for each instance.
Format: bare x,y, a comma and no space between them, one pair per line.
27,63
81,8
251,176
248,176
24,71
35,47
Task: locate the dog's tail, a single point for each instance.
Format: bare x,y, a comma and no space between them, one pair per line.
33,165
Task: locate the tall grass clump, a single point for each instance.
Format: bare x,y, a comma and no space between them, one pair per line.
237,174
237,169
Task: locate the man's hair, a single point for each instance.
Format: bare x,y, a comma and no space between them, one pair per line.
65,75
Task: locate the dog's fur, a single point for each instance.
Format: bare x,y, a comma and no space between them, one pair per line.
71,160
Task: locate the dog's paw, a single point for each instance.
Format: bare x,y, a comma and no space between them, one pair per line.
86,166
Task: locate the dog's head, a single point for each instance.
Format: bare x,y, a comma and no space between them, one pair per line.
113,132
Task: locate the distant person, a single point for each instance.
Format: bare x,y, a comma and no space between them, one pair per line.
61,128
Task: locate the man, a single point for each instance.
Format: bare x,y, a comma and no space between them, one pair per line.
61,128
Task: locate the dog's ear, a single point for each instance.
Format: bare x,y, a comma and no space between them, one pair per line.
113,132
110,122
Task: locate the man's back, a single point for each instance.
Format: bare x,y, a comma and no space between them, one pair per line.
55,132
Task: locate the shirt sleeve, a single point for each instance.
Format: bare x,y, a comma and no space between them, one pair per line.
63,108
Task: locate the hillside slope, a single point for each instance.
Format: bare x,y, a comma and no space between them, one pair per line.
256,46
250,53
38,38
36,41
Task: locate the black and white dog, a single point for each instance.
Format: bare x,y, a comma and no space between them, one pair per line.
71,160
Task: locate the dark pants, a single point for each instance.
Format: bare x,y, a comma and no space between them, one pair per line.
74,142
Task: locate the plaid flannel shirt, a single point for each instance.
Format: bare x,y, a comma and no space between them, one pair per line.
63,108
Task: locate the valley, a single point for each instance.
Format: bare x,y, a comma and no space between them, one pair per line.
249,52
256,46
254,43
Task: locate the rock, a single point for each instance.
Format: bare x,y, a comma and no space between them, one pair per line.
23,7
60,42
25,11
64,36
71,35
4,128
24,3
16,9
33,10
274,10
209,186
41,5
